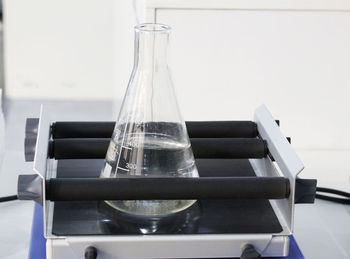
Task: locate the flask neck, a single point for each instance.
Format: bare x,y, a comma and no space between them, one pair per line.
151,44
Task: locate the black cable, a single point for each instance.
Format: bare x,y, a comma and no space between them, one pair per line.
333,191
8,198
333,199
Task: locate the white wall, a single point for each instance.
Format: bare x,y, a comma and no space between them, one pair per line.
58,49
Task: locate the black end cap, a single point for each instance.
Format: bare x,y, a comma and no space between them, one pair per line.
249,252
90,252
305,190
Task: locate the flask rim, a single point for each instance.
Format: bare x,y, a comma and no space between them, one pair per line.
153,28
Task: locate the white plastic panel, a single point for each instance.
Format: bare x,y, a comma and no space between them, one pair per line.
310,5
225,62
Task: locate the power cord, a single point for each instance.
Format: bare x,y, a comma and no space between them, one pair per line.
330,198
8,198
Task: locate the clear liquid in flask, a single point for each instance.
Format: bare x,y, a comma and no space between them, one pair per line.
149,155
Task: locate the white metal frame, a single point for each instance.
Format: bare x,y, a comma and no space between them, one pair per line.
167,246
40,157
285,157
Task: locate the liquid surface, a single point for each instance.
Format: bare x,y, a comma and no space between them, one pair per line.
149,155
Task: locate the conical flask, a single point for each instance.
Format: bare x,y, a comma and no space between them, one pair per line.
150,138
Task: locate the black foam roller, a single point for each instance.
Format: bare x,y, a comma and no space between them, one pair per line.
77,189
202,148
196,129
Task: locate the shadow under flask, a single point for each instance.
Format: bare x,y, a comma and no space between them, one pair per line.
150,138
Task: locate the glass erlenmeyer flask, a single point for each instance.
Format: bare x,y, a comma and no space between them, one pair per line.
150,138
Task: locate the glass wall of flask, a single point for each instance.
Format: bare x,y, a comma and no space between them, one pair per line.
150,138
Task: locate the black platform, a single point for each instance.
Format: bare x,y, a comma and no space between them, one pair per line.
204,217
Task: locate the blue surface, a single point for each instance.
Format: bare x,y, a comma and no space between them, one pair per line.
294,251
37,248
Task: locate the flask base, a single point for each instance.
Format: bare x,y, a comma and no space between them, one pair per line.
151,207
